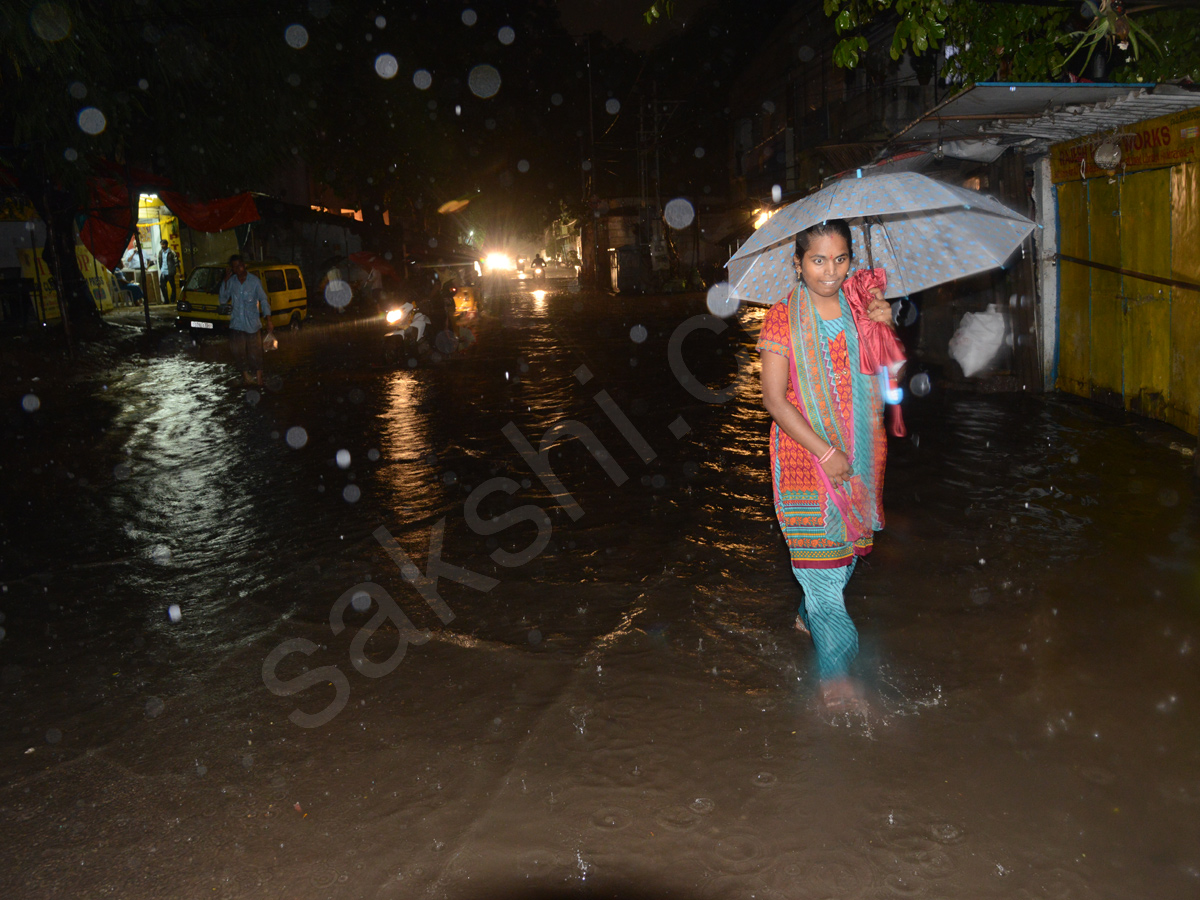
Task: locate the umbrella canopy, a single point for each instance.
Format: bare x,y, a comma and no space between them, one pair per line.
369,260
924,233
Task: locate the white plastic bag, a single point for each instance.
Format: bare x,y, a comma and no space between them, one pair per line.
270,342
978,339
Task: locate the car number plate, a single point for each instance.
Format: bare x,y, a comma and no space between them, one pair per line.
196,324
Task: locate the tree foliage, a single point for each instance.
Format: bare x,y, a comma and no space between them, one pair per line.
1005,40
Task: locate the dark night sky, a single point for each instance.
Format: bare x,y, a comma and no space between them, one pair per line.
622,19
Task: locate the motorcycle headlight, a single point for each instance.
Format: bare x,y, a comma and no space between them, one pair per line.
394,316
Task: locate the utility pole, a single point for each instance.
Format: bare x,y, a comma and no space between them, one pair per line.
591,190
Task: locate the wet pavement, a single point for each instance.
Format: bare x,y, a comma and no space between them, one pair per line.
601,693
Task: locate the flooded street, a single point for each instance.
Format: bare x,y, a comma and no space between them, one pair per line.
279,645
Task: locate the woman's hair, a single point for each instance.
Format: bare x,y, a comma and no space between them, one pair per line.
830,226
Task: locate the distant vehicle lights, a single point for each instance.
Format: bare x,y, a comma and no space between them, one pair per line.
500,262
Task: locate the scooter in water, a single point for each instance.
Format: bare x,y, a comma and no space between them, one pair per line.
409,336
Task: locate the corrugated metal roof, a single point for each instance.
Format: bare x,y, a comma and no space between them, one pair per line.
1038,115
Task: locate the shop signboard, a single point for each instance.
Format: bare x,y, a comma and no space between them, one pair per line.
1153,144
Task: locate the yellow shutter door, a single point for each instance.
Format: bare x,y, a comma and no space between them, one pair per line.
1183,404
1074,303
1107,370
1146,247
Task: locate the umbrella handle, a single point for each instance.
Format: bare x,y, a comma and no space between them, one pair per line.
867,241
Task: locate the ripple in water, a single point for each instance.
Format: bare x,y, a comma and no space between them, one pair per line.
945,833
834,873
765,780
676,818
738,854
611,818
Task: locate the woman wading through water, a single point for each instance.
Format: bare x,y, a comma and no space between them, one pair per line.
828,447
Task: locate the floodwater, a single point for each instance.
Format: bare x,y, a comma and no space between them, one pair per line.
627,712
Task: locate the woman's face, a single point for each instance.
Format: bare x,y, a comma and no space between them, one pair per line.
825,265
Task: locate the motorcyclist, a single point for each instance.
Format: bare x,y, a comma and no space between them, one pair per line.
539,267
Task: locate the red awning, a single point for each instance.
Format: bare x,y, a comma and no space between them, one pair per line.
109,224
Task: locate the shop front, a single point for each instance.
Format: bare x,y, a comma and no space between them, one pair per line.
1129,272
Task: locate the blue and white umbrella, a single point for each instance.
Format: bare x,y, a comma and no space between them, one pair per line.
923,233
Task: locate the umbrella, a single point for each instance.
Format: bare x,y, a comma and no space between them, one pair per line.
923,232
369,260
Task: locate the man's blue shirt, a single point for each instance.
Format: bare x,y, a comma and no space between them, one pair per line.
247,298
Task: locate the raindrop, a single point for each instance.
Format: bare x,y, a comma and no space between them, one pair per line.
469,18
91,120
338,294
523,166
484,81
294,80
721,301
386,65
174,613
919,384
638,334
2,633
160,554
50,22
433,242
658,482
450,478
422,79
699,151
296,36
776,193
351,493
534,636
143,84
679,213
296,437
361,601
556,99
380,22
613,106
31,403
587,165
53,736
121,471
78,90
373,454
506,35
252,398
904,312
768,107
154,707
806,53
343,459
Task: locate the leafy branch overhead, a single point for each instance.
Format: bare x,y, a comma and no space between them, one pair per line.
660,9
1009,40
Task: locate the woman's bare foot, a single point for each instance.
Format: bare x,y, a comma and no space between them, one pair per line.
842,695
801,627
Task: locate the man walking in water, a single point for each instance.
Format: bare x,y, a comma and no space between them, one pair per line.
243,292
